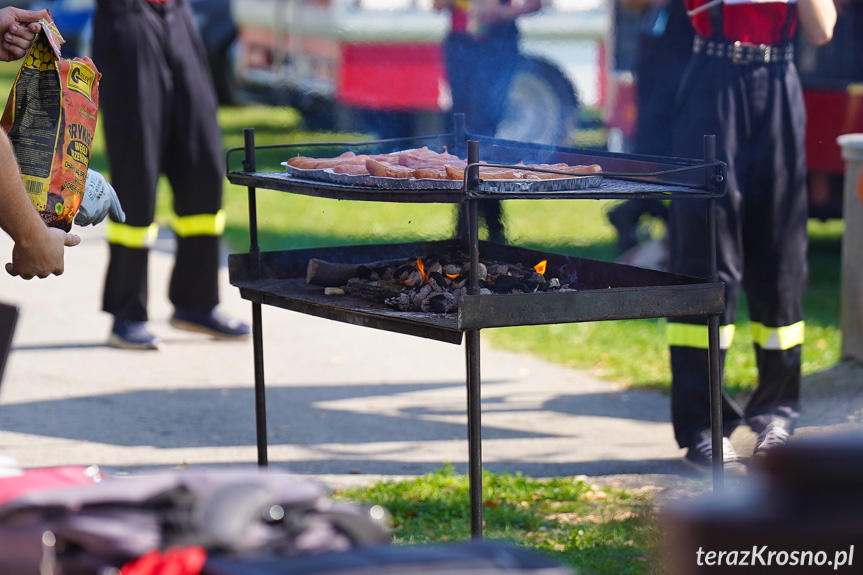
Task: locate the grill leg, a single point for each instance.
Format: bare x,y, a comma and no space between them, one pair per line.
260,390
474,432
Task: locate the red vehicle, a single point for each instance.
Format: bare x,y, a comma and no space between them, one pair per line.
343,63
832,79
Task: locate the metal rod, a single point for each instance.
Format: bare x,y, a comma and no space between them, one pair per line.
249,165
472,359
713,351
474,431
260,388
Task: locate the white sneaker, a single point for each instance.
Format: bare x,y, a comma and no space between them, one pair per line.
700,457
771,437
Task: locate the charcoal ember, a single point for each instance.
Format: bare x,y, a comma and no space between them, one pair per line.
440,303
404,271
529,284
387,273
414,279
434,267
497,269
539,279
505,284
452,270
421,294
482,270
401,302
438,282
553,283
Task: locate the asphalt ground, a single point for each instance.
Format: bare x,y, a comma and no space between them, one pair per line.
345,404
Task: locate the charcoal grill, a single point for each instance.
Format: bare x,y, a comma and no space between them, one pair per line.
607,291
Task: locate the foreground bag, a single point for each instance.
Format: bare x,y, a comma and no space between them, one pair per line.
232,512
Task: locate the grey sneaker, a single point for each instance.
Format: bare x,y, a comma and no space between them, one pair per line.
700,457
127,334
771,437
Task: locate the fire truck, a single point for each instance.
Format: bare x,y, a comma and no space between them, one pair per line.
359,64
832,78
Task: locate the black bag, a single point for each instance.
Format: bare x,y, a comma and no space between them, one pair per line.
475,558
84,530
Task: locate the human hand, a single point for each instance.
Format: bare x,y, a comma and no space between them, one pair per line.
42,256
100,199
19,28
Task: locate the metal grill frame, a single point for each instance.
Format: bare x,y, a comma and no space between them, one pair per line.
622,292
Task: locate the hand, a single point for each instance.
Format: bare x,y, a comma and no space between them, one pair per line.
41,256
100,199
19,28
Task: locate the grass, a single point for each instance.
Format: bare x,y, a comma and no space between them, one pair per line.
590,528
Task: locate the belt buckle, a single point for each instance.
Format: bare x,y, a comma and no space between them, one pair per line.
738,55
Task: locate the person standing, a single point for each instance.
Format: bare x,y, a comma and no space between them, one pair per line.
664,46
481,53
742,86
159,114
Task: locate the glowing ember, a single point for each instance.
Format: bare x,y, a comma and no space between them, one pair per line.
540,267
422,270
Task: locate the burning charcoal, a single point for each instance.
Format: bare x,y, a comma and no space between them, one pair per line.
387,273
420,295
452,270
495,270
414,279
438,282
434,268
440,303
461,281
538,278
401,302
530,284
505,284
404,271
553,283
483,271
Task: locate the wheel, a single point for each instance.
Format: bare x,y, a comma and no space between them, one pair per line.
542,104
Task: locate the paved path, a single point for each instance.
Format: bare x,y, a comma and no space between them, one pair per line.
343,401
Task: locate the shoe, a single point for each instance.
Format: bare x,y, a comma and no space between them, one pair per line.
771,437
129,334
700,457
211,322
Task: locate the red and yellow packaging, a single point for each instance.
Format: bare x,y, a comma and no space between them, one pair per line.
50,118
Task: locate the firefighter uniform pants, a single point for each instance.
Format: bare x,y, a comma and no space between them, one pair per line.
758,117
158,109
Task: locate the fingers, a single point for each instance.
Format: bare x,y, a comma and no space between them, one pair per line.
71,240
10,269
116,210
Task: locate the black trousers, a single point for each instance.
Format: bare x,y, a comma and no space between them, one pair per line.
480,71
158,108
758,117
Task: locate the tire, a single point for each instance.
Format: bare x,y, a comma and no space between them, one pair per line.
542,105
